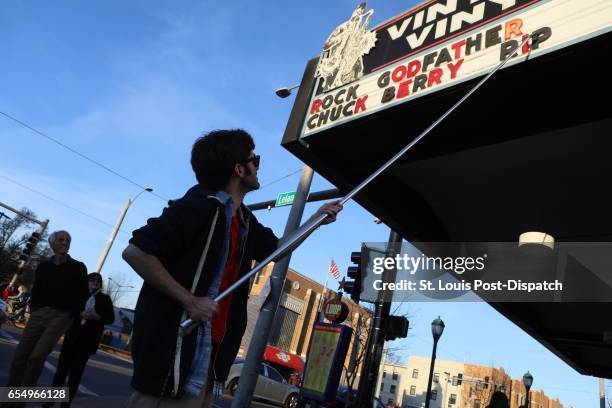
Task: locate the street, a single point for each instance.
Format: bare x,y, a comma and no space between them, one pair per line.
106,379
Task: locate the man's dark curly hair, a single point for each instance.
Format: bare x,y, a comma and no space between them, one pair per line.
214,155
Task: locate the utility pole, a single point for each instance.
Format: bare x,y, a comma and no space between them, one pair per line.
376,337
251,368
115,230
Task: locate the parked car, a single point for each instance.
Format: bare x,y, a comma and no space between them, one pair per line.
271,386
343,398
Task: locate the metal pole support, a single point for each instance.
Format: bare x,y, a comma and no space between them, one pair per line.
259,341
376,337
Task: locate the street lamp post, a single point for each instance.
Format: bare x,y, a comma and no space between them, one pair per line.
285,91
527,381
437,328
113,234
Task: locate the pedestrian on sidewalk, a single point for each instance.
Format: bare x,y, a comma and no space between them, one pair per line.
198,246
499,400
58,296
83,338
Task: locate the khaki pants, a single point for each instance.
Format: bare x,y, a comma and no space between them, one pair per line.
140,400
45,327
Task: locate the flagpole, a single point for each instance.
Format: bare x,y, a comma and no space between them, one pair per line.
321,315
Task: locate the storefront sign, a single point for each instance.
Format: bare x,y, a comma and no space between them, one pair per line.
335,310
442,43
326,355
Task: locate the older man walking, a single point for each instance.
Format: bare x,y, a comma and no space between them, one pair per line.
58,296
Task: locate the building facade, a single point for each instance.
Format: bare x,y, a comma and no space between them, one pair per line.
406,386
454,385
301,301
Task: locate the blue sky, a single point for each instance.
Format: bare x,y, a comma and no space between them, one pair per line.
132,84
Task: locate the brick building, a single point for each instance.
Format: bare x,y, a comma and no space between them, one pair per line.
301,300
454,385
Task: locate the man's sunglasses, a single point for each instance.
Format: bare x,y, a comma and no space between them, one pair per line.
255,159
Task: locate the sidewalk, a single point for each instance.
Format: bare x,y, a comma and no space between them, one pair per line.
98,402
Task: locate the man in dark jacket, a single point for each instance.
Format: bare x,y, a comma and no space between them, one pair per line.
58,296
83,338
199,246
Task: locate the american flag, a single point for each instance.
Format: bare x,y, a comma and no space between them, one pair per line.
333,269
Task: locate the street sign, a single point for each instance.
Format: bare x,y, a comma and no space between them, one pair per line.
285,199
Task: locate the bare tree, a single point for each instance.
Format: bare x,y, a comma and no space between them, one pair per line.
14,233
118,284
360,337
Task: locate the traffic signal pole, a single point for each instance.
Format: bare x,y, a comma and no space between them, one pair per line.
259,341
41,229
24,215
376,337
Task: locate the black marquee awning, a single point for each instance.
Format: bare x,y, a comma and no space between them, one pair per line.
531,150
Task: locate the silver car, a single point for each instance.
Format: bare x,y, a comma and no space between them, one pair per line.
271,386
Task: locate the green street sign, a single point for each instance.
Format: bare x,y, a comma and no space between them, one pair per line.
285,199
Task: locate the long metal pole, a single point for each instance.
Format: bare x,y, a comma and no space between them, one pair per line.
527,401
252,366
23,214
113,234
330,194
376,337
431,371
305,230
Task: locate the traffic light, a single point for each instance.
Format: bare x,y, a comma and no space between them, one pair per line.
29,246
353,287
397,328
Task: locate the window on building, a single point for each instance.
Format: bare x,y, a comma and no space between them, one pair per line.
434,395
452,400
486,382
384,374
477,403
459,378
392,389
436,378
415,373
382,387
413,390
394,377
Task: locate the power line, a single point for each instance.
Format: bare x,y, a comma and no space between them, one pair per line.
97,163
282,178
59,202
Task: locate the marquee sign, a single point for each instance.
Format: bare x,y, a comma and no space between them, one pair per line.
436,45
